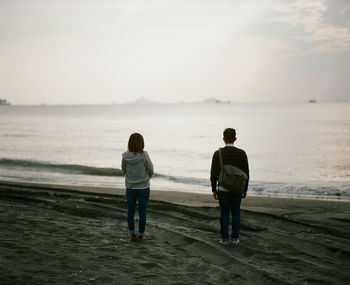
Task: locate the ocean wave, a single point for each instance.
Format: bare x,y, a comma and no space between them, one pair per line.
299,190
90,170
274,189
75,168
203,185
184,180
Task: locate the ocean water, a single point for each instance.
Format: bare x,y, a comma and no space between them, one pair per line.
294,150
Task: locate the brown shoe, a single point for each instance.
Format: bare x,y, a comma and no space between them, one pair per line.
133,238
141,238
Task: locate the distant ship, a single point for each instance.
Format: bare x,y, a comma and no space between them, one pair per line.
4,102
312,101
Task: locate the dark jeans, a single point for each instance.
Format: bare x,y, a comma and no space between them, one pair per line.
229,202
142,196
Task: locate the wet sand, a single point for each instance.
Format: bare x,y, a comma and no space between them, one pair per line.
65,234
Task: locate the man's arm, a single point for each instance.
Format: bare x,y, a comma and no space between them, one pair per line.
246,170
214,173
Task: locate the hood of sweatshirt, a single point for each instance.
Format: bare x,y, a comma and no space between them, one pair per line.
132,157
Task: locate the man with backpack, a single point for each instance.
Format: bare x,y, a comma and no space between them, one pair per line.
229,178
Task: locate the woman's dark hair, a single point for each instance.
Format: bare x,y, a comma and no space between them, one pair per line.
229,135
136,143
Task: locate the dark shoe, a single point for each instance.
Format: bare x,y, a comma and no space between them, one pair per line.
235,241
141,238
224,241
133,238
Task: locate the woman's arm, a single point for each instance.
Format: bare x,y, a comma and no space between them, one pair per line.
123,166
149,165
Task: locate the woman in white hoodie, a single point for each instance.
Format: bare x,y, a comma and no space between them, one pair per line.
138,169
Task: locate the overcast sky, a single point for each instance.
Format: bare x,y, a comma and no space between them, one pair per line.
103,51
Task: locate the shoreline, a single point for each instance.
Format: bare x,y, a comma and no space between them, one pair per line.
161,192
77,234
261,204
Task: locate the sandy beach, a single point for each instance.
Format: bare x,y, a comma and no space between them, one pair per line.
65,234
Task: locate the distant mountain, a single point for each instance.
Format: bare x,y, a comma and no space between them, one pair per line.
144,101
212,100
4,102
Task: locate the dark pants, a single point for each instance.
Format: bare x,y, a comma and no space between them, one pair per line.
229,203
142,196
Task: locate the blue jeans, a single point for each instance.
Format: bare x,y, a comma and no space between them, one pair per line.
142,196
229,202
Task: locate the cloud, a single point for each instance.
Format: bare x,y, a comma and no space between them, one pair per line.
320,33
248,50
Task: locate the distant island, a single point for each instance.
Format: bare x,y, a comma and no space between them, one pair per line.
4,102
144,101
212,100
312,101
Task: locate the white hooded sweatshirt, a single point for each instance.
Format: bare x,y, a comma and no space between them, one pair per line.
137,168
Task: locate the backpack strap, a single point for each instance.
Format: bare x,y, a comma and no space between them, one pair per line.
221,161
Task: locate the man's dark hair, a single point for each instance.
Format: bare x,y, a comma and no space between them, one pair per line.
136,143
229,135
